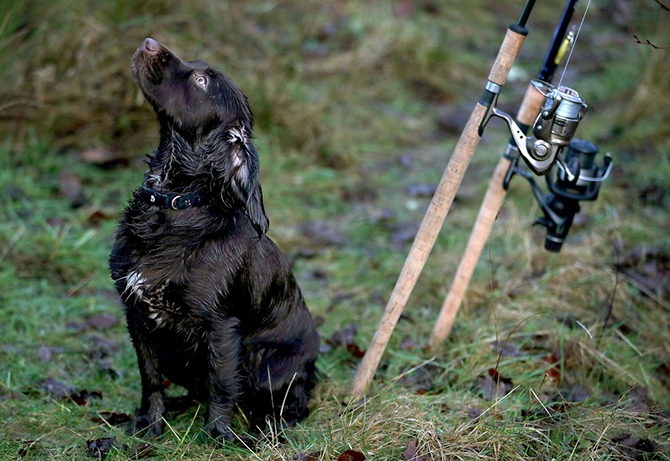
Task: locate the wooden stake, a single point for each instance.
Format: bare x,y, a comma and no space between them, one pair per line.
435,215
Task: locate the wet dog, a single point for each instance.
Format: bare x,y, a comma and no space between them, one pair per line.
211,302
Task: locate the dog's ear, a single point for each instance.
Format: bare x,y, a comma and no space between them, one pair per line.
256,210
233,163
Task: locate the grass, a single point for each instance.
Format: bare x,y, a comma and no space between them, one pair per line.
347,99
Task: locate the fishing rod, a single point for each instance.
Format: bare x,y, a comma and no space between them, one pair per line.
553,114
442,200
496,192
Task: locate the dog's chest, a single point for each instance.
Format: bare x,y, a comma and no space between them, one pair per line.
156,302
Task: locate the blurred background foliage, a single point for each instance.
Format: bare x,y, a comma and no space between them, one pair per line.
324,79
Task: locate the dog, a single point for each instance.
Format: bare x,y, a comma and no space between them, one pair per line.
210,301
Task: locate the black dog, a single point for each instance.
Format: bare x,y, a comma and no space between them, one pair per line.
211,302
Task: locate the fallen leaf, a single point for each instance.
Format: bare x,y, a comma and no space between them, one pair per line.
360,192
302,456
344,335
114,419
102,321
81,397
411,453
101,347
319,274
569,321
27,446
420,380
104,158
339,298
508,349
473,412
649,267
76,326
493,385
634,448
575,393
69,187
60,390
319,320
638,400
495,374
452,119
142,451
304,253
6,394
351,455
581,220
96,155
56,388
408,344
344,338
99,448
16,193
653,195
421,190
663,374
313,456
404,9
98,216
404,233
553,372
356,351
44,354
105,366
322,234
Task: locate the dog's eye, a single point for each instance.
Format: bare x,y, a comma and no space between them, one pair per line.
201,80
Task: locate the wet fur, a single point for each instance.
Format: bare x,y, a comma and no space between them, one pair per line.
211,302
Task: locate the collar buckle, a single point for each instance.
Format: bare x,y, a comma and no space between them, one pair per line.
173,202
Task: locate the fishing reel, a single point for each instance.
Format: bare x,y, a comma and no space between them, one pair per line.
553,128
561,203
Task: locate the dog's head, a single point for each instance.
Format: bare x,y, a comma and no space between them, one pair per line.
193,98
203,106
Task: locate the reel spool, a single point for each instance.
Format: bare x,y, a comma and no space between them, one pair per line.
553,128
559,117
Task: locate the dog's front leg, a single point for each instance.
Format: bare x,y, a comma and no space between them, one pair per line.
223,380
149,417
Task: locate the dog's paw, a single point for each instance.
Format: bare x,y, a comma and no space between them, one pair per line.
145,425
220,432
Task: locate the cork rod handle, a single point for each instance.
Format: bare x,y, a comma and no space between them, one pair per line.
493,200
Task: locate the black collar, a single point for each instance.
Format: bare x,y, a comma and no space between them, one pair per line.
170,200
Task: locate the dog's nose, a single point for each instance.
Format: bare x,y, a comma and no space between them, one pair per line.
151,45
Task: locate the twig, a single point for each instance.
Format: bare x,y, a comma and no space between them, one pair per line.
647,292
79,285
663,5
540,402
647,42
608,310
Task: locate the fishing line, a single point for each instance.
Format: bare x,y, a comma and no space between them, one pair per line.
567,63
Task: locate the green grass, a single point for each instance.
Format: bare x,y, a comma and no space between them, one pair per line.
344,95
